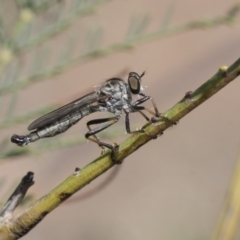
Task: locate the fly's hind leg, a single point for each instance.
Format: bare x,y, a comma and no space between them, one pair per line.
90,135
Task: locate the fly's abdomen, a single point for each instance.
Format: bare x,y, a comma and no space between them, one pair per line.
60,125
53,129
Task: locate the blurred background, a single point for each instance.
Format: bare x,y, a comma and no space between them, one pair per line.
54,51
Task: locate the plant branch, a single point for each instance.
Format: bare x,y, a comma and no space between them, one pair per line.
80,178
6,213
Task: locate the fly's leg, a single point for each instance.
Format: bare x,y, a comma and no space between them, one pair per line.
150,121
92,137
145,116
127,120
139,108
155,113
127,125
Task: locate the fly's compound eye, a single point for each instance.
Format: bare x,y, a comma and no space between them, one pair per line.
134,82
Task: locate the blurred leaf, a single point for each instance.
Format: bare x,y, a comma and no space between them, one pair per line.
23,36
67,51
40,60
12,105
38,6
8,76
2,181
138,25
2,30
229,221
26,117
234,11
15,152
27,200
3,144
92,40
168,16
45,31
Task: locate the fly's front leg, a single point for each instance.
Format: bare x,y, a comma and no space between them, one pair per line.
142,100
91,134
155,113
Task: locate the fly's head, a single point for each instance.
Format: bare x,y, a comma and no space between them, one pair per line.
134,82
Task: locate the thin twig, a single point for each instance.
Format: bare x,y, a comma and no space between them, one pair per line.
6,213
80,178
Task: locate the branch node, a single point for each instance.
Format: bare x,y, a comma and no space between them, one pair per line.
6,213
76,171
223,69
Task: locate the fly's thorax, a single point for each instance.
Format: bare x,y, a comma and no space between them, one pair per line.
117,94
116,88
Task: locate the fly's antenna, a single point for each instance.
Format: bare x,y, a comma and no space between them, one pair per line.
141,79
142,74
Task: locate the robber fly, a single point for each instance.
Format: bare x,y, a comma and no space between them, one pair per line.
114,96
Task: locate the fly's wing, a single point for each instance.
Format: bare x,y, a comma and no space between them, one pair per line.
62,111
